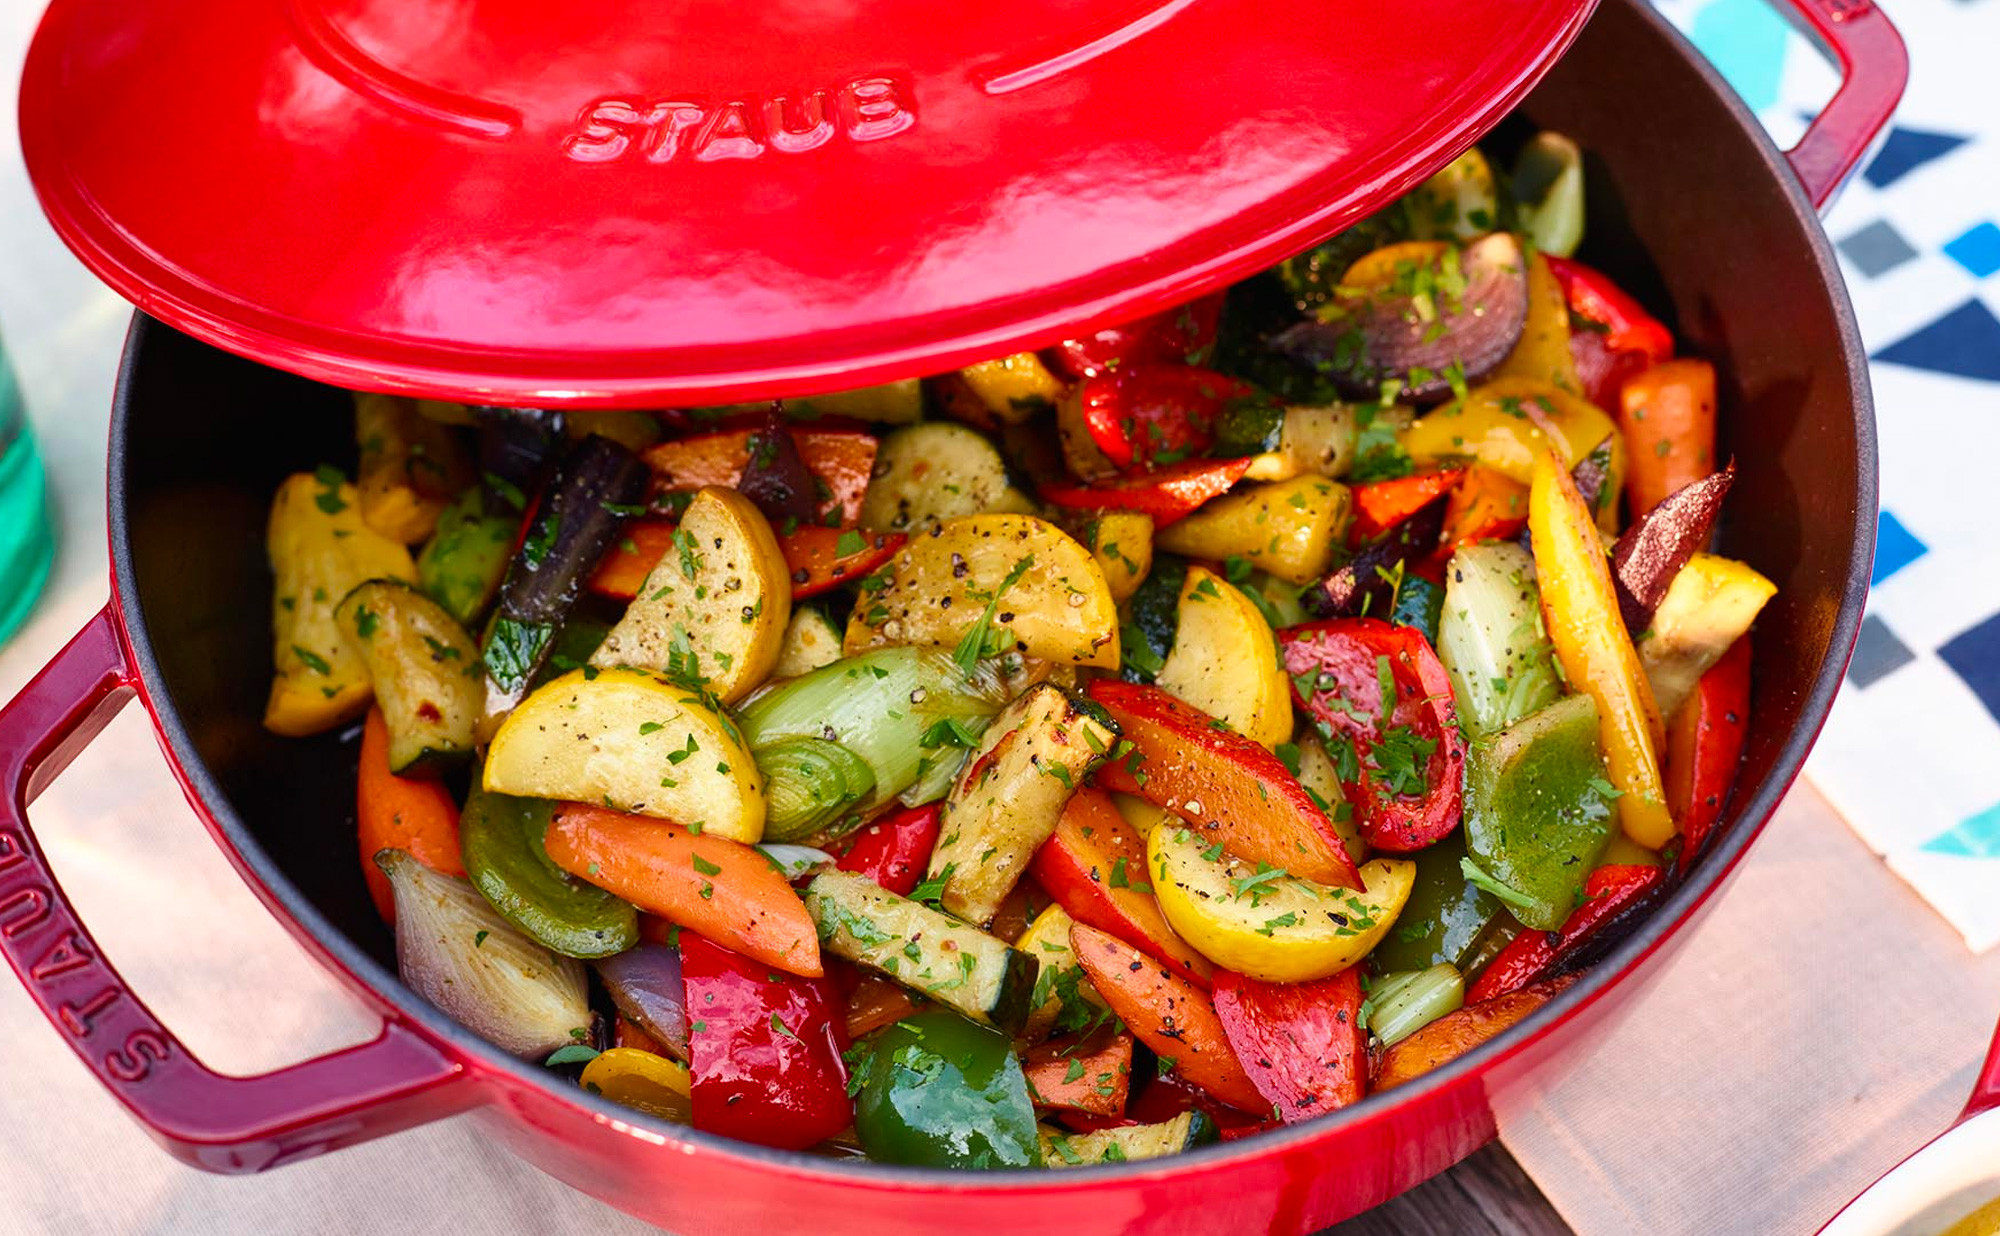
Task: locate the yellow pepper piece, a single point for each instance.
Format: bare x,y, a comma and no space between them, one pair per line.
1386,265
1014,388
642,1081
1543,353
320,549
1500,424
1594,649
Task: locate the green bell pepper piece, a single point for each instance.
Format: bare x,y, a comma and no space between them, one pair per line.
461,565
1538,809
500,839
1444,918
935,1090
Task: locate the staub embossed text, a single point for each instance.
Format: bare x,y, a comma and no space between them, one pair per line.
866,109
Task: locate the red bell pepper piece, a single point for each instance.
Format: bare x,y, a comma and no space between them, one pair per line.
1142,415
1609,893
1301,1043
765,1048
1381,505
1227,786
820,562
1624,340
1705,747
1169,1095
1405,780
1181,336
814,556
1087,1073
1081,865
894,850
1167,1013
1602,369
1627,326
1167,494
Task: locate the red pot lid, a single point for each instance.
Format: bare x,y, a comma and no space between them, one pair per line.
676,201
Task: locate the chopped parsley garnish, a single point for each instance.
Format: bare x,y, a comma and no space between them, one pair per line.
1478,877
973,647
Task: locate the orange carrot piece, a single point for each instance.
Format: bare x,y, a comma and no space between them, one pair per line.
1168,1014
1667,414
723,889
1099,821
400,813
843,458
1080,868
623,570
1381,505
877,1002
627,1033
812,557
1081,1073
1488,505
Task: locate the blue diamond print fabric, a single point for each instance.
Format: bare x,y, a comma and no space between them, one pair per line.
1911,754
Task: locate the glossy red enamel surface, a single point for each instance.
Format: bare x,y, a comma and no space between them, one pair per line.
675,201
195,452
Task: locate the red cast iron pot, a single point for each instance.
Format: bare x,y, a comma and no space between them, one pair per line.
1679,171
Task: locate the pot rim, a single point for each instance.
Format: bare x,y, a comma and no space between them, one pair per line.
487,1063
1941,1173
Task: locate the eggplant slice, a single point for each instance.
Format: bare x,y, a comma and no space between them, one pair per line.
1654,549
1441,323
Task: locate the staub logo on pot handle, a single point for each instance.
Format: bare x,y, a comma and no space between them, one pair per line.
866,109
25,910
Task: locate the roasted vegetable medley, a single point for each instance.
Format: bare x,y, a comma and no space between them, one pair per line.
1187,729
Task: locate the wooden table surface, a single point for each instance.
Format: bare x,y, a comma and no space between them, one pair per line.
1487,1195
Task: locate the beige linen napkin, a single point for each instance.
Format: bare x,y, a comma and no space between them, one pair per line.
1822,1023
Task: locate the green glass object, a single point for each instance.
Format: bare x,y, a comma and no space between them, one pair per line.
27,543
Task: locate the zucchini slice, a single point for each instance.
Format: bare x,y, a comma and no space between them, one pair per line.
1047,941
928,473
463,563
1033,588
1314,441
1225,660
1289,528
925,950
1015,388
810,641
425,669
713,611
1138,1141
1122,543
410,467
1709,606
319,550
1007,801
630,741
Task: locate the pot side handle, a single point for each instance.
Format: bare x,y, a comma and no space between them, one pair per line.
1986,1091
1874,69
220,1123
